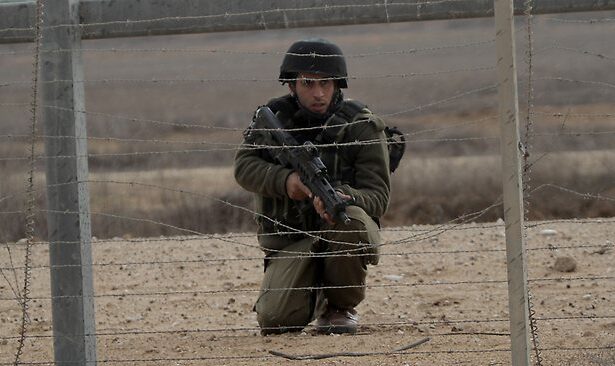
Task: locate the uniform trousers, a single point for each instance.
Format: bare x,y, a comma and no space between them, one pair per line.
310,274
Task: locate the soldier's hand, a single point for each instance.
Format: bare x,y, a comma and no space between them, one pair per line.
319,205
295,189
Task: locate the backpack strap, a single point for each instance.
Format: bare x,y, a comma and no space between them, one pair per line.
344,114
397,146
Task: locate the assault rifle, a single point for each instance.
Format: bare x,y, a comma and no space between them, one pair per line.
303,159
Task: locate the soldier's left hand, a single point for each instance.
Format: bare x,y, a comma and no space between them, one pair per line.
322,212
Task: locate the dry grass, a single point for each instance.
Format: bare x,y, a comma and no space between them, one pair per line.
451,167
425,190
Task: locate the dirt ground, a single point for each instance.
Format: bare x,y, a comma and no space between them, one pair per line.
189,301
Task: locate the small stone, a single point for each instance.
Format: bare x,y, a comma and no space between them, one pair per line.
604,249
565,264
548,232
394,278
587,297
400,332
500,221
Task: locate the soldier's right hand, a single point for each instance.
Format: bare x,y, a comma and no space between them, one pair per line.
295,189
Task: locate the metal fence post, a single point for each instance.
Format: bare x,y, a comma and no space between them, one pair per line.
512,183
67,192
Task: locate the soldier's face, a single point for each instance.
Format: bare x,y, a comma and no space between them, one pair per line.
314,92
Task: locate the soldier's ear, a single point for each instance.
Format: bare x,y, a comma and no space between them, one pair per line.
291,87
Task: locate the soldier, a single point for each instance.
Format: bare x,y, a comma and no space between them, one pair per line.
301,282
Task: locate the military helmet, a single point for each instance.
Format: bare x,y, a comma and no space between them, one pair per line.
321,57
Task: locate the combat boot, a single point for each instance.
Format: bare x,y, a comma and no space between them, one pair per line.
338,321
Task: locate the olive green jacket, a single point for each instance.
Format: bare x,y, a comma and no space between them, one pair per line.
357,163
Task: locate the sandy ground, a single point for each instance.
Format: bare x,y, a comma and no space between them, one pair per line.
189,300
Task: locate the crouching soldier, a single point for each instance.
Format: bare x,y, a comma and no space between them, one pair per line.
315,266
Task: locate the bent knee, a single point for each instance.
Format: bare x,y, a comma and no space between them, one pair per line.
279,312
277,321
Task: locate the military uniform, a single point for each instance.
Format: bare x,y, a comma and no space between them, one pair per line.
295,261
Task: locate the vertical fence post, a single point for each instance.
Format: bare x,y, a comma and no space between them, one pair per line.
512,184
68,214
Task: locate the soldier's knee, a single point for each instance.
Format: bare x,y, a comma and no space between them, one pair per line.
281,312
279,320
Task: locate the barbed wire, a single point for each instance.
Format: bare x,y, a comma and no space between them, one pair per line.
451,227
234,147
436,230
422,235
183,125
274,356
573,220
30,192
591,82
269,356
556,46
582,21
230,290
454,126
576,115
109,333
252,329
583,195
402,52
257,289
261,12
224,260
408,135
268,80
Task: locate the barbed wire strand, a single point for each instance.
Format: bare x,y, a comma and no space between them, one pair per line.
590,82
452,227
233,290
584,195
233,147
453,126
183,125
556,46
243,258
229,290
408,135
577,115
225,52
358,334
161,81
31,200
434,231
229,328
270,356
526,172
261,12
582,21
